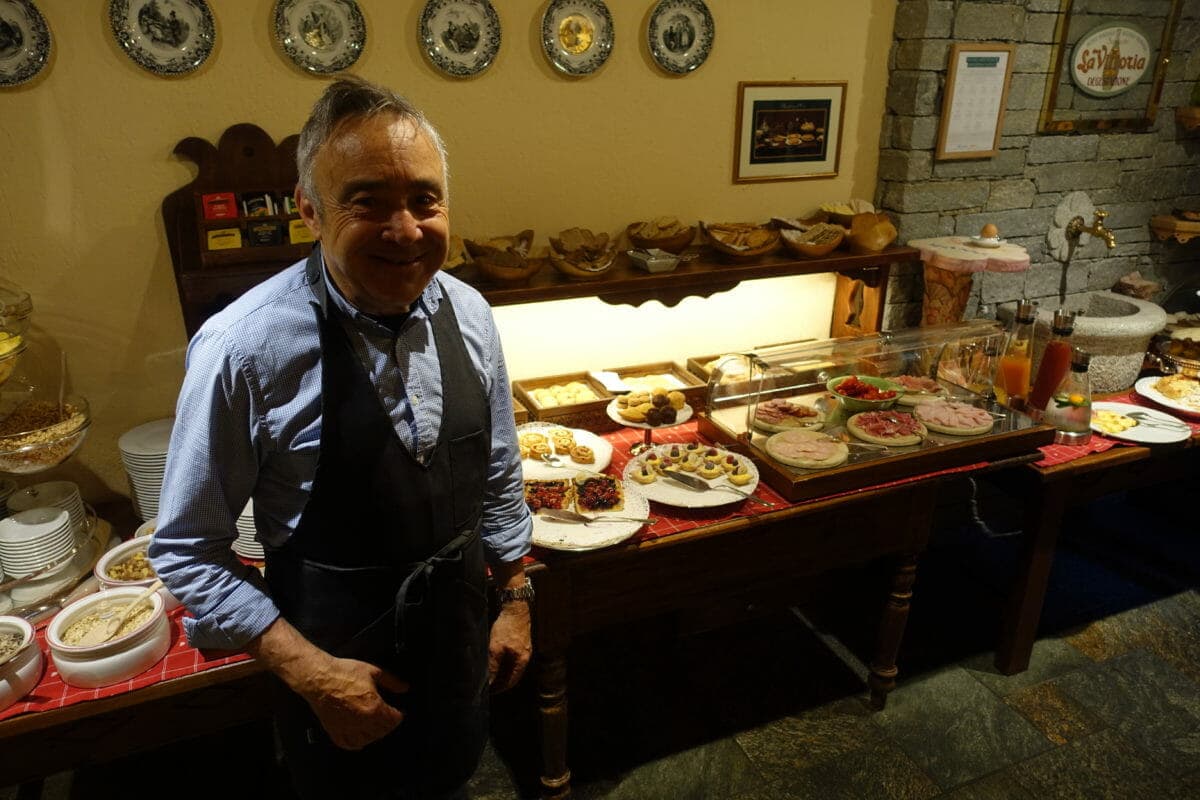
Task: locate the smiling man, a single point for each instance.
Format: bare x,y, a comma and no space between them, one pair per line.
360,398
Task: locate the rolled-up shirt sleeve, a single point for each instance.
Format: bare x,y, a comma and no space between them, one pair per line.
211,470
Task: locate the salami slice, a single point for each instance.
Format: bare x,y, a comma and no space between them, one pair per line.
894,428
954,418
807,449
773,416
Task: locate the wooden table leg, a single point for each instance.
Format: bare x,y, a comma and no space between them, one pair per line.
882,678
552,636
1023,609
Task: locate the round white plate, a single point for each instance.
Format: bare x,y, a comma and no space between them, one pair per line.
167,37
1164,429
672,494
460,37
577,35
681,416
149,439
680,34
24,42
1145,387
979,241
536,468
320,36
555,535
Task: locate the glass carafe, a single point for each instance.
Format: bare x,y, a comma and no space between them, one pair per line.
1056,360
1070,407
1012,373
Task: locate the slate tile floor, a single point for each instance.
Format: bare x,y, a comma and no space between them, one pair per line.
764,710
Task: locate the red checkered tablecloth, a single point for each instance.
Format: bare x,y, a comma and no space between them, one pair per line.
181,660
1055,454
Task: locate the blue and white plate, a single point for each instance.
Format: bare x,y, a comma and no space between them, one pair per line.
24,42
460,37
680,34
577,35
320,36
166,37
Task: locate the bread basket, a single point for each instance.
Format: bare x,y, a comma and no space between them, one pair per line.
581,255
870,232
741,239
674,243
505,259
819,240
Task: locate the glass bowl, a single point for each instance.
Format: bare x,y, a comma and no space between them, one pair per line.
34,438
12,345
15,308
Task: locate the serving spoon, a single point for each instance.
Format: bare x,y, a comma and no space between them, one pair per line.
108,624
566,515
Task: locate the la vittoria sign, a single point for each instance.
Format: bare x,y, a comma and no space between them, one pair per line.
1110,59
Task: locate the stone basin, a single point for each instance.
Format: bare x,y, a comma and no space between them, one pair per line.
1115,329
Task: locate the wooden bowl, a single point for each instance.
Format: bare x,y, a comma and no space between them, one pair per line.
505,259
803,244
582,255
587,271
675,243
870,233
456,254
741,239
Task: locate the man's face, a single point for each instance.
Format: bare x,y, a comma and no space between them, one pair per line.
383,226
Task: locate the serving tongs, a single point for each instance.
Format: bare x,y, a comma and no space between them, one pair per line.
555,461
566,515
1153,422
701,485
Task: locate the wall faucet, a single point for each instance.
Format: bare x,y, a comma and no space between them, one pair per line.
1076,227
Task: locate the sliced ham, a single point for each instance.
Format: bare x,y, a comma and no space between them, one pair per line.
804,445
775,411
888,424
914,383
951,414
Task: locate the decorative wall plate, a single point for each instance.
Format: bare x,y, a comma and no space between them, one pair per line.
24,42
166,37
460,37
577,35
680,34
320,36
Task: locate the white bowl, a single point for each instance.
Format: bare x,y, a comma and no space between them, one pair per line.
113,661
146,528
21,674
118,554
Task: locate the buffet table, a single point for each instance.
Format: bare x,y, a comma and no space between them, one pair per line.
1063,479
685,560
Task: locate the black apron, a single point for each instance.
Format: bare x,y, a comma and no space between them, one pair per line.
386,566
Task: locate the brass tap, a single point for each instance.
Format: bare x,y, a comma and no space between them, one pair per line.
1076,227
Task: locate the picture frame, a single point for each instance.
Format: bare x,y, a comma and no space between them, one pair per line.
788,130
976,94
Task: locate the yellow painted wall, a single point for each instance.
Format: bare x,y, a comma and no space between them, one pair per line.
87,160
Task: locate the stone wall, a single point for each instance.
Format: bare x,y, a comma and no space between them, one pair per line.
1132,175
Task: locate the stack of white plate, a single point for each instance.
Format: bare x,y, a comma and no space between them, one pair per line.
144,454
246,544
30,540
52,494
7,487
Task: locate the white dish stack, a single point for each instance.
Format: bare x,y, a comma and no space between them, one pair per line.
246,544
144,454
52,494
31,540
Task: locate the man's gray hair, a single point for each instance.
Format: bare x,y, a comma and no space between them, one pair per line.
351,97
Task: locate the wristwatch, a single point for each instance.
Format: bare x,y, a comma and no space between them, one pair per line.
519,593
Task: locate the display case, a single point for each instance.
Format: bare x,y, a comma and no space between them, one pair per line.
920,402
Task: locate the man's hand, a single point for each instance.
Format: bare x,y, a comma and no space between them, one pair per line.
342,692
510,646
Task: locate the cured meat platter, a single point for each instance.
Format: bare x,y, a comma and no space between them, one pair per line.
949,429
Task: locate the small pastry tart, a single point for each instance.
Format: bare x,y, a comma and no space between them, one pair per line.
582,454
710,469
645,474
530,438
740,475
690,463
665,463
539,450
730,463
711,454
675,452
693,447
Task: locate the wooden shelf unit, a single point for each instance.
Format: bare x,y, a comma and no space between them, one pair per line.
247,160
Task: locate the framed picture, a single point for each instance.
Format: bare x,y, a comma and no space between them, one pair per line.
788,130
973,105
